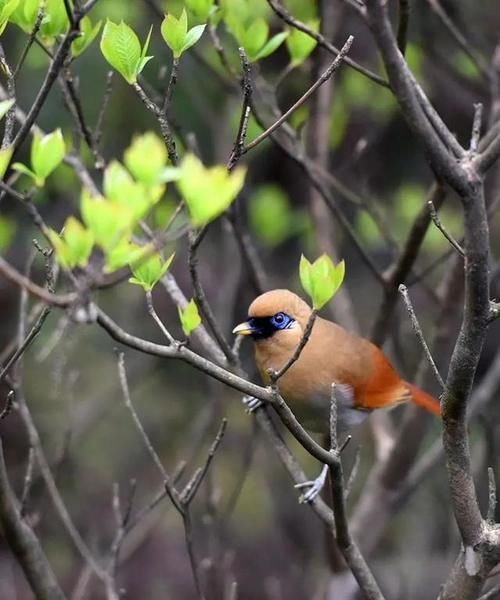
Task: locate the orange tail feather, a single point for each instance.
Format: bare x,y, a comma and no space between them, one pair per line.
424,400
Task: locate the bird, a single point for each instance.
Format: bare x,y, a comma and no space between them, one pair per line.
364,378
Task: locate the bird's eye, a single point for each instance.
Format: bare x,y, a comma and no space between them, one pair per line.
280,320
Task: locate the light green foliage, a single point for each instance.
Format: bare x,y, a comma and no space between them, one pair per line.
359,92
88,33
7,231
120,46
367,229
120,188
321,279
108,221
189,317
176,35
7,7
146,158
111,219
201,9
47,153
464,65
55,20
251,31
5,106
24,16
122,254
148,271
270,215
73,248
304,11
409,200
300,44
207,191
5,156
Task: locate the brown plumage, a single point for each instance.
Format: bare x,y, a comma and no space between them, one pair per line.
364,378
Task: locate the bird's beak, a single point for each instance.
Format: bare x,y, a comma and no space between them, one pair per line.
243,329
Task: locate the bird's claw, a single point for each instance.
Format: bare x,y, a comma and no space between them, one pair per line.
251,404
312,488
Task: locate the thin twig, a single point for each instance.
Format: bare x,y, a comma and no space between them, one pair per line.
163,122
276,375
476,127
278,8
326,75
403,290
492,497
158,321
246,84
437,222
9,403
171,85
201,299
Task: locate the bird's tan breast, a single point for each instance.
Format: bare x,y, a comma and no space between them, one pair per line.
331,355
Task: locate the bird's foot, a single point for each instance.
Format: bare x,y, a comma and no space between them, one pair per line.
312,488
251,404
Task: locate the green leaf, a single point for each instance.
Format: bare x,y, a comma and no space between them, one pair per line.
145,59
79,241
20,168
108,221
255,37
200,8
189,317
271,45
74,247
55,20
270,215
174,32
192,36
122,49
146,158
321,279
25,14
47,153
120,188
5,106
5,156
7,7
122,254
147,272
208,191
88,33
300,44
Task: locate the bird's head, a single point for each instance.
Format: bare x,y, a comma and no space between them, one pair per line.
278,313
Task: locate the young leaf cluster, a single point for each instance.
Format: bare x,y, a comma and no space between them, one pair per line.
251,32
47,153
321,279
176,34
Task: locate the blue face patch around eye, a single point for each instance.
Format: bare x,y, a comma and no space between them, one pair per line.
265,327
280,321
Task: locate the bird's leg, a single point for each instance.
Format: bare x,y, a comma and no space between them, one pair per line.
312,488
251,404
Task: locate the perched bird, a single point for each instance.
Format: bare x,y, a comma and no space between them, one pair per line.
364,378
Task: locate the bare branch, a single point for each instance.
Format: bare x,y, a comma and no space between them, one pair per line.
341,57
